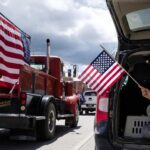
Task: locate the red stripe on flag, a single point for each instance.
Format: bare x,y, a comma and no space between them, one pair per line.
10,75
84,71
108,80
88,74
96,72
105,76
111,80
10,65
91,84
9,54
10,44
6,85
10,33
8,23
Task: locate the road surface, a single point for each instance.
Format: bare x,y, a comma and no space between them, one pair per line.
80,138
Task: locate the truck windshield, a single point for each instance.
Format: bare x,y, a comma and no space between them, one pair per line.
90,93
38,66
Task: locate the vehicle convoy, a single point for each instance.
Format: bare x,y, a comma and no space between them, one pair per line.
89,104
40,95
124,124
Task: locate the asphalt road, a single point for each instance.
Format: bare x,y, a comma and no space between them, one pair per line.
80,138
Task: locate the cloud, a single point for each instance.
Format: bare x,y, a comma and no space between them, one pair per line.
75,27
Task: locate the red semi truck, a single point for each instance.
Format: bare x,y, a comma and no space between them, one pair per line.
39,97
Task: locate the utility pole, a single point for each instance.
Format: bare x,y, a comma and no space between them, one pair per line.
74,71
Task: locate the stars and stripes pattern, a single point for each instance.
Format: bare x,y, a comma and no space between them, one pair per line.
102,73
14,52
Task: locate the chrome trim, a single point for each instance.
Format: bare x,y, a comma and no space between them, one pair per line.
22,116
65,115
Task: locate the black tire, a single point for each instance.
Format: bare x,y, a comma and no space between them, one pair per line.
73,122
81,112
46,128
86,112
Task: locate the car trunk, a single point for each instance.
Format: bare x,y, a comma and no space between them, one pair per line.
130,118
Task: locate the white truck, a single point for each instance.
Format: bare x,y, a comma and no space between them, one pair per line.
89,101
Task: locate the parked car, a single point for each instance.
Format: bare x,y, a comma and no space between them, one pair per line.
89,103
122,119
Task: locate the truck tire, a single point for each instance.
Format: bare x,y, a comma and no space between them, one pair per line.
81,112
46,128
86,112
73,122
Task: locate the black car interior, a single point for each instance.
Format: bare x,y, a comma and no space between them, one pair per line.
131,102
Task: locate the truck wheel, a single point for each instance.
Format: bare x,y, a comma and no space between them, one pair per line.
81,112
73,122
86,112
46,128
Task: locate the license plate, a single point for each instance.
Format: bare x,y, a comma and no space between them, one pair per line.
89,105
90,99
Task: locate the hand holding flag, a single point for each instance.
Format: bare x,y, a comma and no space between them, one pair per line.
145,92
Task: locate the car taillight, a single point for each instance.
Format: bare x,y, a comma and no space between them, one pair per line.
102,108
23,97
101,115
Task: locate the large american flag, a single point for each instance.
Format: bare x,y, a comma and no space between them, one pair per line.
14,52
102,73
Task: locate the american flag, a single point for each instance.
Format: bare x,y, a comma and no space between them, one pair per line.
14,52
102,73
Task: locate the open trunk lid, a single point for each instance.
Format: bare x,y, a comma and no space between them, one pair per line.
131,18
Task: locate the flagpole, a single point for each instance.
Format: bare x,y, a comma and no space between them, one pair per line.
122,67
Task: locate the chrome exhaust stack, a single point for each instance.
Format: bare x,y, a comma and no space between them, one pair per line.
48,56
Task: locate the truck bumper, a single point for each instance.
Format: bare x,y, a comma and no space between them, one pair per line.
88,107
18,121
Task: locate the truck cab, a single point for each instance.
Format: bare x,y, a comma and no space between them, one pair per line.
55,64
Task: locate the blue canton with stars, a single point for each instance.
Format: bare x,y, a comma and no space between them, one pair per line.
102,62
26,47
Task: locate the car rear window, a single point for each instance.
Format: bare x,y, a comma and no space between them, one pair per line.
90,93
139,20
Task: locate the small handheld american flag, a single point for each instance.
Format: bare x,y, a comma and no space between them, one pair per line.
102,73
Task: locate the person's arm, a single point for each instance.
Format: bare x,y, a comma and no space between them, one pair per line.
145,92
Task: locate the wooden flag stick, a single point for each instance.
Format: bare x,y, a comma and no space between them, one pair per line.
122,67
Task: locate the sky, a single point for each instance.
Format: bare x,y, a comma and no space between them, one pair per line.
76,28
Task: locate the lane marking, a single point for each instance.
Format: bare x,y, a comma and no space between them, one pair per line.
83,142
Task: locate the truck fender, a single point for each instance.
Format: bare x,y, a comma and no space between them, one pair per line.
33,102
44,103
72,99
71,102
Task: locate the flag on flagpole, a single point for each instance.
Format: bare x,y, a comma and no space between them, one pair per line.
102,73
14,52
